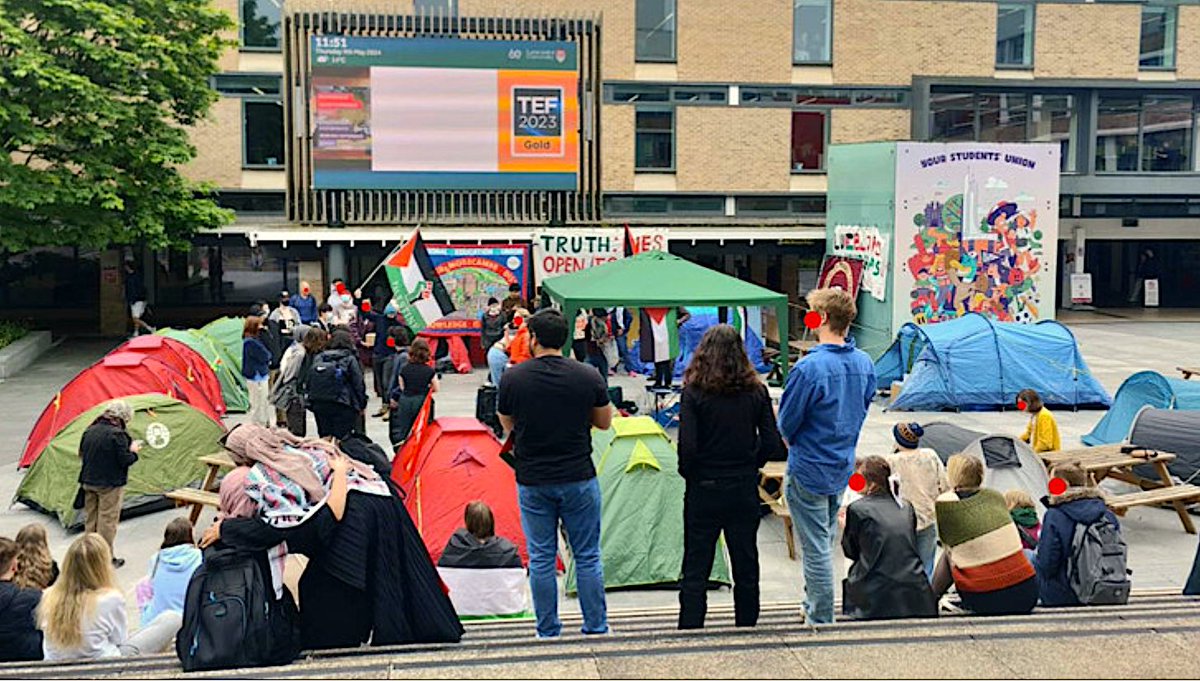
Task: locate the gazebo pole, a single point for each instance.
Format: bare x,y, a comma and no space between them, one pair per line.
781,312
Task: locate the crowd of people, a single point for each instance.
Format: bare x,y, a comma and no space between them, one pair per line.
369,578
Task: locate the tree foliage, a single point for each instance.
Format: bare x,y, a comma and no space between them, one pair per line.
95,100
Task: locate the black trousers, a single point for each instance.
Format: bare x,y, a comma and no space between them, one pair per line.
297,418
664,373
335,614
335,419
380,371
710,507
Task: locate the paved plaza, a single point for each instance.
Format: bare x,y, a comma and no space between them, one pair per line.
1160,553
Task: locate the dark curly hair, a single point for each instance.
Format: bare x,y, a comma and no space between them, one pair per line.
720,365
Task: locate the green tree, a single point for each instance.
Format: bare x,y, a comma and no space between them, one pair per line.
95,100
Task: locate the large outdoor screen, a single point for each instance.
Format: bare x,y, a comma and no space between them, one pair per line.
444,113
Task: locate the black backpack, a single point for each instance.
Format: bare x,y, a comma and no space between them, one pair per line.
329,378
486,400
228,618
363,449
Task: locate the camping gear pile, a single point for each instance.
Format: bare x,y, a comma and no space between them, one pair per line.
178,398
974,363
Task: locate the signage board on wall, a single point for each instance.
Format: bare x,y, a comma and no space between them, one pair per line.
976,230
1081,288
1151,293
563,251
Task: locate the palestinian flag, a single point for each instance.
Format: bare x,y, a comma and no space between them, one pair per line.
630,245
405,462
420,295
658,334
737,318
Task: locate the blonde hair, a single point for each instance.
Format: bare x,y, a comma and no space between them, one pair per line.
964,472
86,572
1018,498
835,305
34,566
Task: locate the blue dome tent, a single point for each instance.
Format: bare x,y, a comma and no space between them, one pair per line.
1143,389
976,364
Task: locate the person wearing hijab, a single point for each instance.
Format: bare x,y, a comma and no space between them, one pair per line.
106,452
369,575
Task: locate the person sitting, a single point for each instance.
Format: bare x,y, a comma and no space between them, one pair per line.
1024,516
416,381
982,556
171,569
83,614
484,572
36,568
1081,504
369,575
1042,430
20,639
887,579
922,478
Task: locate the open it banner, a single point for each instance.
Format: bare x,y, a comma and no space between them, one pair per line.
472,274
444,113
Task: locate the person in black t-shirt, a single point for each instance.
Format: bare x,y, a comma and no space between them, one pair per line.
549,404
415,380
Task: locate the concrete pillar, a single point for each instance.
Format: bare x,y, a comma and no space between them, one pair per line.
338,265
758,268
790,277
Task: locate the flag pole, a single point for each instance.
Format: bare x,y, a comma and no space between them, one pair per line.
358,289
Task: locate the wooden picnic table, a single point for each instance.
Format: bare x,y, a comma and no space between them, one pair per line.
1108,461
1188,372
207,494
776,471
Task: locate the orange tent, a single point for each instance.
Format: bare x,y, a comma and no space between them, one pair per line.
184,359
457,461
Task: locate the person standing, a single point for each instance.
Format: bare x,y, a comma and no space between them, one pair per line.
135,297
597,339
287,317
726,433
306,305
256,369
492,322
337,393
288,393
1147,268
416,381
658,337
922,479
106,451
822,411
512,302
550,404
622,319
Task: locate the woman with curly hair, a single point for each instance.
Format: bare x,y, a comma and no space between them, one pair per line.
36,569
726,432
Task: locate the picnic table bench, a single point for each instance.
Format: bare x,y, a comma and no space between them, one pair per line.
777,471
1188,372
1108,461
208,494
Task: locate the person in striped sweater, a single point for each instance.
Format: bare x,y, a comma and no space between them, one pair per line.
982,556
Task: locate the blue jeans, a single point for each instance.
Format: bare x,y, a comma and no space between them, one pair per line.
815,519
497,361
577,504
927,548
622,342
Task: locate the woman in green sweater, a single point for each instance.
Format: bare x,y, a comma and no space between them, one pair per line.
982,557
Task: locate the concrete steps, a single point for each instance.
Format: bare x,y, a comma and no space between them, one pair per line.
648,639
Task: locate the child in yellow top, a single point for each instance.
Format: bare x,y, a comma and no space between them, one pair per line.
1042,431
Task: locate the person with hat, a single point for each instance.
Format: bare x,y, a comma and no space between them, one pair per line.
306,305
922,477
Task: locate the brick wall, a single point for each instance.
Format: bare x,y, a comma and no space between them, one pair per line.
719,41
1187,45
732,149
869,125
1086,41
218,143
616,148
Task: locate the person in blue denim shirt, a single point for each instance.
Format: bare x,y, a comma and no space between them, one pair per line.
822,411
550,404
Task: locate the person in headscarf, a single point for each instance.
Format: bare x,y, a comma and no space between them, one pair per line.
369,575
106,452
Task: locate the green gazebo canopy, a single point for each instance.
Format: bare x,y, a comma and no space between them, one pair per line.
657,279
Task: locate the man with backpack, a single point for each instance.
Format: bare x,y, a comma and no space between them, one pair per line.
337,393
1081,557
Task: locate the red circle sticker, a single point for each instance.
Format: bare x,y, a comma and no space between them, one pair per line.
1021,405
857,482
1057,486
391,342
812,320
366,306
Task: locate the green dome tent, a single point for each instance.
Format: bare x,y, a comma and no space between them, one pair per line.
641,524
224,365
227,332
175,435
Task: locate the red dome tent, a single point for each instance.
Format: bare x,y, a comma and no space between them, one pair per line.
185,360
457,462
117,375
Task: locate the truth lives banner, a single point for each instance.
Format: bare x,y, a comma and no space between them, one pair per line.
563,251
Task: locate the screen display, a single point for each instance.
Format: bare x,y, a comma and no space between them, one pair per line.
444,113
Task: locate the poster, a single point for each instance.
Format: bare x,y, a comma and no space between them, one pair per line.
865,243
444,113
472,274
1081,288
976,231
563,251
840,272
1151,293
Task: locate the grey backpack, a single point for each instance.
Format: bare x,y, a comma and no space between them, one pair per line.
1096,570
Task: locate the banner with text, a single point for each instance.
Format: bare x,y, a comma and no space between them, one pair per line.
472,274
868,245
563,251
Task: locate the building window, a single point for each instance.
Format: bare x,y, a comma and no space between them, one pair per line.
262,134
808,141
1014,35
655,30
779,206
247,84
1005,117
436,8
952,117
655,140
1158,37
811,38
1052,119
669,205
260,24
693,95
1154,133
1002,117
